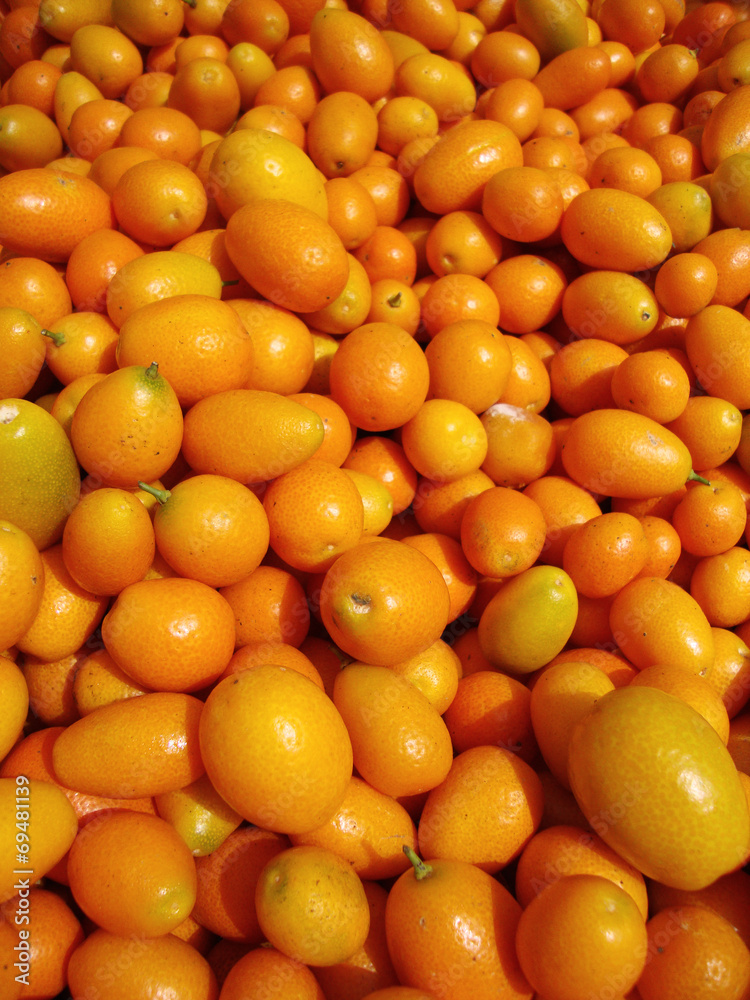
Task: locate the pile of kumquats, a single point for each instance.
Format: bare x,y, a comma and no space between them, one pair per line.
374,478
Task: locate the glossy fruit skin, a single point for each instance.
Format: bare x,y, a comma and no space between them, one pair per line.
653,383
421,921
587,910
369,831
216,352
159,202
22,569
14,683
221,550
312,906
52,826
512,430
509,809
502,532
368,968
400,744
382,621
616,230
692,688
699,936
47,214
716,342
88,348
106,752
24,350
554,26
193,633
287,765
31,472
157,275
469,362
604,555
439,81
284,354
336,151
110,846
721,585
688,210
529,619
139,403
297,279
365,62
634,315
377,502
489,707
67,615
623,454
227,878
379,376
250,435
565,506
728,132
162,959
469,155
322,497
256,972
104,524
200,816
58,933
253,163
656,621
570,80
657,784
562,694
566,849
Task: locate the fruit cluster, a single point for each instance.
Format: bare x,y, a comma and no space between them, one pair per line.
375,444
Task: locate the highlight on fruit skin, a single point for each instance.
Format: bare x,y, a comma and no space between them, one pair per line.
682,765
375,463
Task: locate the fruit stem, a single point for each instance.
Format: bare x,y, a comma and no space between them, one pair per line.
234,281
161,495
58,339
153,370
694,477
394,300
421,870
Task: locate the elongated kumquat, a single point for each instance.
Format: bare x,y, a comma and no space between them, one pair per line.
375,452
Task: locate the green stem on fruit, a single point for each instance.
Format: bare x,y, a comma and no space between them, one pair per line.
694,477
421,870
233,281
58,339
161,495
394,300
153,370
191,3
